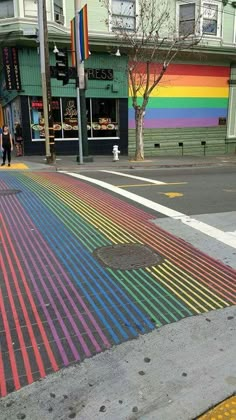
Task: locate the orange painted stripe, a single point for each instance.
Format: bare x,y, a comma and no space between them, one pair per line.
14,311
28,323
3,388
37,317
12,358
175,251
193,81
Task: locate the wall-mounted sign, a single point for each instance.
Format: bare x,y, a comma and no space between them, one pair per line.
100,74
11,68
92,74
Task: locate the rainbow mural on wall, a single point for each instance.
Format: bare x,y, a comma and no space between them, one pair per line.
188,96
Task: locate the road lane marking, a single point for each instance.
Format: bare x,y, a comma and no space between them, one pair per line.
151,181
172,194
224,237
151,185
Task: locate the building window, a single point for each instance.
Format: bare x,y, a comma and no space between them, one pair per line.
30,8
58,12
123,14
186,16
6,9
102,118
210,20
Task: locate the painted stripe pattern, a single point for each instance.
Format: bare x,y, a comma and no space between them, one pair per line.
59,305
187,96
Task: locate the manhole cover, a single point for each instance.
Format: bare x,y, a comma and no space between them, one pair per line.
6,192
127,256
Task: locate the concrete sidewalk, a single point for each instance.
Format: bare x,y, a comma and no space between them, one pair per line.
100,162
176,372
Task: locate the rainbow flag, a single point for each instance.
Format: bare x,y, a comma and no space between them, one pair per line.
83,31
83,36
73,42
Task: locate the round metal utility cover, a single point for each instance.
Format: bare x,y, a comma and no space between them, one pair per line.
127,256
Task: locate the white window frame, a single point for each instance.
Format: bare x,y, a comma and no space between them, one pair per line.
219,19
14,12
181,3
135,16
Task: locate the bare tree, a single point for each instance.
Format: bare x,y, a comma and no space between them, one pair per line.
146,30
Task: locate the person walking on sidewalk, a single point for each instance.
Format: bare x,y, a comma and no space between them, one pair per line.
18,139
6,145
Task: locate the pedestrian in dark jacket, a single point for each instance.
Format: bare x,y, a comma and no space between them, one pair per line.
6,145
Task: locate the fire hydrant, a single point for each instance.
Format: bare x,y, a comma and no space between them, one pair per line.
115,152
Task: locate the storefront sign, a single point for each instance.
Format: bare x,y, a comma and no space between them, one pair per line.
11,68
39,104
100,74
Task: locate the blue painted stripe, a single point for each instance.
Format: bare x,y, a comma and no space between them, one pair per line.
85,257
173,113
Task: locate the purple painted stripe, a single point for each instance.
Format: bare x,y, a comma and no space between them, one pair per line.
57,268
35,244
23,246
46,313
178,123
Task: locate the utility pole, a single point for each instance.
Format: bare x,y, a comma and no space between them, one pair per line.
46,82
80,86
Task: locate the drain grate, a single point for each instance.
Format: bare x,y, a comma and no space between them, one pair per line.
127,256
6,192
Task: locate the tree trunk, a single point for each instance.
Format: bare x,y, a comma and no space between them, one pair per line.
139,115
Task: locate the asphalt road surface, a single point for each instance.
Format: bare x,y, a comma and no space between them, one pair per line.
207,195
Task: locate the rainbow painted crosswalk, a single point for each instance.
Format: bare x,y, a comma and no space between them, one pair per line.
59,304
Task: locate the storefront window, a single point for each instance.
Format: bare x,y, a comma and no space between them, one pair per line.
37,118
102,118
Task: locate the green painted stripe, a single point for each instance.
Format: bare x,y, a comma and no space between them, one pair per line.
141,285
87,235
142,274
131,293
138,288
185,103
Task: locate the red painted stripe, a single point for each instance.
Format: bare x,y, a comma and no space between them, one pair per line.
38,320
190,250
149,235
177,250
178,242
188,70
24,310
12,358
14,312
3,387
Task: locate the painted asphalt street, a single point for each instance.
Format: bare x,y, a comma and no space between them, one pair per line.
60,303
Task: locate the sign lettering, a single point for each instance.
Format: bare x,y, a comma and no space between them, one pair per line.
11,68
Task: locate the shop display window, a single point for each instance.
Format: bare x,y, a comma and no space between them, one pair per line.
102,118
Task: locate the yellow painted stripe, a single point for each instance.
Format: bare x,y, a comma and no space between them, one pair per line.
157,276
20,166
181,286
151,185
192,288
188,92
103,224
209,292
